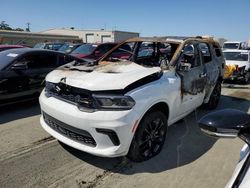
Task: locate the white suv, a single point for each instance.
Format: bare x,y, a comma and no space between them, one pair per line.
123,103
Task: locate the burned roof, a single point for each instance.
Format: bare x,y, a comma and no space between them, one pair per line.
174,39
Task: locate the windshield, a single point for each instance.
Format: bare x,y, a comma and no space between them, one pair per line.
231,45
85,49
39,45
236,56
67,48
6,58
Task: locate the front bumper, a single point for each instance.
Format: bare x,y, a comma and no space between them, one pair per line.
119,122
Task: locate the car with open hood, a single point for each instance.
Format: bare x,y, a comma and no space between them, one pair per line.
237,65
123,104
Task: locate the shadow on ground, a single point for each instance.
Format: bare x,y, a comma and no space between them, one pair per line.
184,144
19,110
236,84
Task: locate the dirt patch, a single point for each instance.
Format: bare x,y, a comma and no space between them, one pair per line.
240,95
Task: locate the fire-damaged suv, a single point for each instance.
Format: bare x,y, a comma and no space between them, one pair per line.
123,106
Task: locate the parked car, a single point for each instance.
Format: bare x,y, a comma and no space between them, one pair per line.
123,106
7,47
69,47
49,45
92,51
237,65
22,72
230,123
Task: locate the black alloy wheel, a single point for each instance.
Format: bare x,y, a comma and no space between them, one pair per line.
149,137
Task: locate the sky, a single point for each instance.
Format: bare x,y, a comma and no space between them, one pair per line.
228,19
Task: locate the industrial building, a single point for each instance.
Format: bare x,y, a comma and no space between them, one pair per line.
94,36
63,35
31,38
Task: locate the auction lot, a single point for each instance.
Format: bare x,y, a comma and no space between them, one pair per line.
29,157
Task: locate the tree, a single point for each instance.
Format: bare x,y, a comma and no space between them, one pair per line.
19,29
5,26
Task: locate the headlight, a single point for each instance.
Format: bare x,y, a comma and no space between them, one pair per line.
114,102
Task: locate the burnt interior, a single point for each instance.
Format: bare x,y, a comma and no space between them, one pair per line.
145,53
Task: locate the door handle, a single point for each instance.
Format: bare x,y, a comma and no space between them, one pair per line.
202,75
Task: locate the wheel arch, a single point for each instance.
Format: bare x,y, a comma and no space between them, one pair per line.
161,106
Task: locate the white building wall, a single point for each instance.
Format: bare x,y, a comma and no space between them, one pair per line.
122,35
82,34
98,35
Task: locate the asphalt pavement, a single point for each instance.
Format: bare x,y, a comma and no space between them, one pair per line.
29,157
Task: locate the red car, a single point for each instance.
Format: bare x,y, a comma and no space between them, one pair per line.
92,51
7,47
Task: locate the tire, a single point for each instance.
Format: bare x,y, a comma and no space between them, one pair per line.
245,80
215,97
149,137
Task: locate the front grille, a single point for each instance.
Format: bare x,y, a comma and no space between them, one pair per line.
73,133
70,94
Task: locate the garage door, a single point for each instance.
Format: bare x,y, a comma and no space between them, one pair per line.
106,38
90,38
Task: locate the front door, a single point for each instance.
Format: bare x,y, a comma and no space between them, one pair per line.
193,78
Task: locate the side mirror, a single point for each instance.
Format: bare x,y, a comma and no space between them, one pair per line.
19,66
227,123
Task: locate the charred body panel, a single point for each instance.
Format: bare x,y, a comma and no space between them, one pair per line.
201,74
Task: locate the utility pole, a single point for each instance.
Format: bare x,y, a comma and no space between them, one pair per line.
28,27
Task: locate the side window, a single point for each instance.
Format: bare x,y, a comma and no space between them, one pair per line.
110,46
35,61
190,56
217,50
204,48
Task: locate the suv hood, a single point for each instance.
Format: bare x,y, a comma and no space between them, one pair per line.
107,76
239,63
